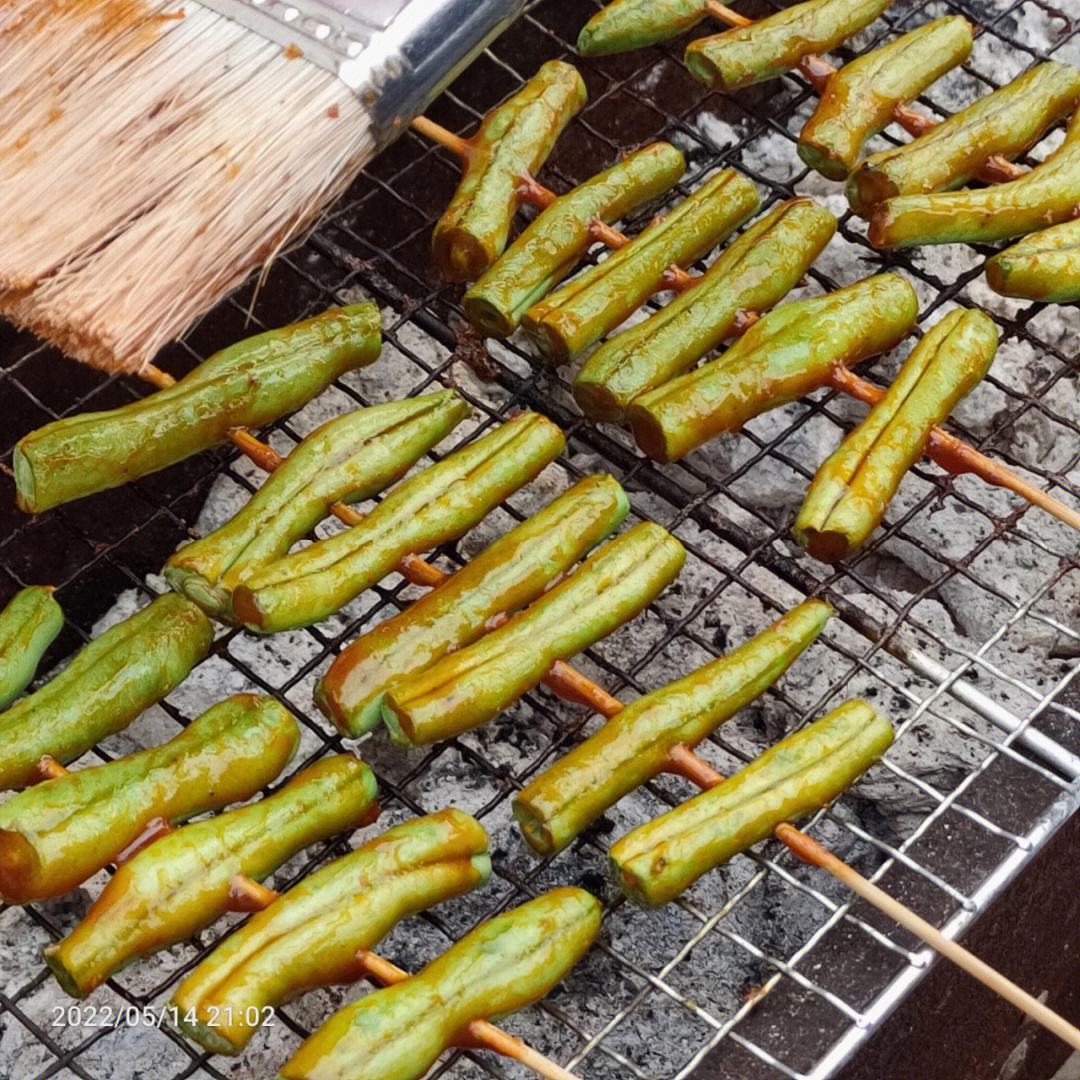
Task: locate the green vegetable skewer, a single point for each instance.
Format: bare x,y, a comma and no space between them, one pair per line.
28,626
633,24
1044,266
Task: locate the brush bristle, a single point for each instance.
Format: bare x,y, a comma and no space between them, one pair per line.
153,156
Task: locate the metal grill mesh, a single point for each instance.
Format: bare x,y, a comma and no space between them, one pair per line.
764,936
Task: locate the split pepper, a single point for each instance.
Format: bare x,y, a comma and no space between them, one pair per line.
58,833
849,495
503,965
513,571
1043,266
636,744
347,459
800,774
248,384
28,626
439,504
634,24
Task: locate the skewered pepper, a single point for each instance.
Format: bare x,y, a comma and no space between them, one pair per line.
756,271
309,936
55,835
28,626
109,683
548,249
185,880
472,686
636,744
436,505
1043,266
634,24
851,491
657,861
767,48
859,98
350,458
246,385
503,965
788,354
576,316
511,144
511,572
1004,123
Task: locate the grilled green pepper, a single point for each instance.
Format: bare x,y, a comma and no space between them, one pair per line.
860,97
788,354
1043,266
436,505
28,626
511,572
549,248
108,684
636,744
1004,123
55,835
767,48
246,385
513,141
756,271
185,880
576,316
800,774
350,458
310,936
633,24
505,964
472,686
851,491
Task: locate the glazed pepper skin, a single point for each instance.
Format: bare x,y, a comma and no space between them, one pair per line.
310,935
635,745
503,965
28,626
513,141
56,834
576,316
472,686
1044,266
246,385
347,459
439,504
182,882
553,243
511,572
768,47
1005,123
753,273
634,24
661,859
787,354
849,495
109,683
860,97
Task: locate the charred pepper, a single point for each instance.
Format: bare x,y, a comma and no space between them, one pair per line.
28,626
472,686
510,573
550,247
185,880
437,505
755,271
350,458
58,833
310,935
1044,266
634,24
513,141
246,385
577,315
851,491
635,745
503,965
109,683
657,861
787,354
